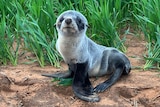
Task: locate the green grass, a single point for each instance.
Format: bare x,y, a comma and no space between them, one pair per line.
103,22
148,17
8,34
29,25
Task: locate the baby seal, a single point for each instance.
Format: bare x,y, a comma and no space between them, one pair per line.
85,58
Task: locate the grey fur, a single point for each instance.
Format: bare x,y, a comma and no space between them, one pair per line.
86,58
76,47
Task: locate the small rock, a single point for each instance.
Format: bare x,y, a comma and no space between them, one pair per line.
4,83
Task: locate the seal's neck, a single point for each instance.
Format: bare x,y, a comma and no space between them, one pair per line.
72,49
71,39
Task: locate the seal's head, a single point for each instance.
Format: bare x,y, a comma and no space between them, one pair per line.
71,23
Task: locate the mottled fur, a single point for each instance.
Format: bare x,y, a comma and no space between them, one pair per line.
86,58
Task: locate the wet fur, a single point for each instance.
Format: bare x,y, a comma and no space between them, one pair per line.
85,58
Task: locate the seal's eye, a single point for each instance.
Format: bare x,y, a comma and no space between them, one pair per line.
79,20
80,23
61,19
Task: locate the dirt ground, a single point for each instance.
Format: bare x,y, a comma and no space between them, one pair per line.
23,85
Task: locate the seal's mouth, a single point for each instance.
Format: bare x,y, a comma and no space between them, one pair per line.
68,29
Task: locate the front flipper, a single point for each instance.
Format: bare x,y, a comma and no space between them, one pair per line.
82,87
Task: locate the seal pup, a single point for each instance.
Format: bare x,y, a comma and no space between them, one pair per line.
85,58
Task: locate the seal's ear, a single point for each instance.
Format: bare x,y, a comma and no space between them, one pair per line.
88,26
54,25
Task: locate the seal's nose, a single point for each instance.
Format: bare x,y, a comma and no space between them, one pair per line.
68,21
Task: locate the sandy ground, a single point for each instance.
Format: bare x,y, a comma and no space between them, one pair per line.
23,85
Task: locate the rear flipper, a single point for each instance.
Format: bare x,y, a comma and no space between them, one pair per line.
66,74
113,78
118,64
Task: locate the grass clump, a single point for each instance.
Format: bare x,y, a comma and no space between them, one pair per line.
32,22
8,34
29,25
148,17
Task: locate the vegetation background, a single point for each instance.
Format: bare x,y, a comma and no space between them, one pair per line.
28,25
